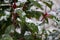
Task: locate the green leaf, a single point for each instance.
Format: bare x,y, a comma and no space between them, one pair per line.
2,13
37,4
16,35
19,12
32,27
9,29
46,20
49,5
30,0
7,37
35,14
29,37
52,16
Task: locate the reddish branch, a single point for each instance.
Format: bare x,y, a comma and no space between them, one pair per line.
14,15
46,14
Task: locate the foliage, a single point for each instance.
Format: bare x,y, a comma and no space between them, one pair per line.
8,26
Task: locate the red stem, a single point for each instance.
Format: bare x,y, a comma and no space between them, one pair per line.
44,16
14,5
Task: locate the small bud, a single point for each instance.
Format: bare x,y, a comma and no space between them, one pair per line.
14,5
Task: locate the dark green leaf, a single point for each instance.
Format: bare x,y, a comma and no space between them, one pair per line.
2,13
32,27
35,14
37,4
49,5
